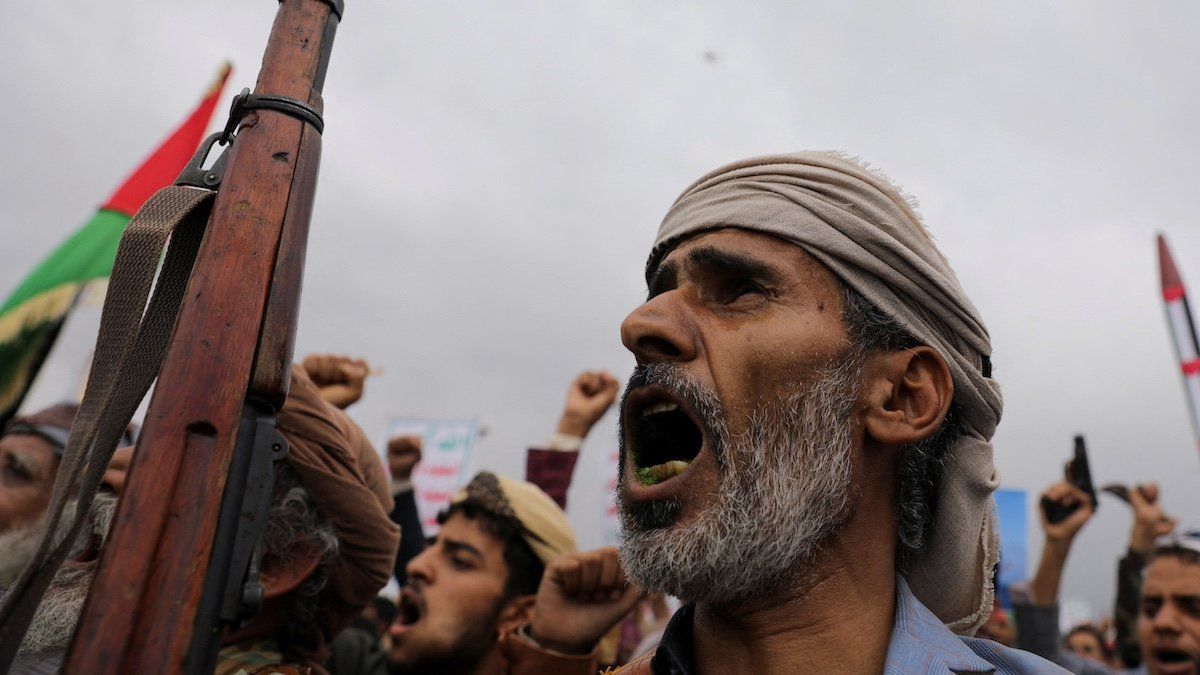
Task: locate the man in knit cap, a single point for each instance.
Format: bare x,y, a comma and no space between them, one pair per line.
502,589
806,455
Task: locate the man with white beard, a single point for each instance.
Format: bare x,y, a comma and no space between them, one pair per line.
806,453
53,625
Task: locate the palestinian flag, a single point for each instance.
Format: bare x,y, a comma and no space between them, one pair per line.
32,316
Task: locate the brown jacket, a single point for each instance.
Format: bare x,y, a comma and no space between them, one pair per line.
522,656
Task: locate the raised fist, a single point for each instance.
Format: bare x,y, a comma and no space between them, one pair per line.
1149,520
1065,494
581,597
403,453
338,378
591,394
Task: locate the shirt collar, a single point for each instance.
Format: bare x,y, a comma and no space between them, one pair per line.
675,655
920,642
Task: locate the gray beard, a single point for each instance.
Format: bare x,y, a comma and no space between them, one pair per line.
53,624
783,491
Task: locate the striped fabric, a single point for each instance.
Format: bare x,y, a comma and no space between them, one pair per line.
920,644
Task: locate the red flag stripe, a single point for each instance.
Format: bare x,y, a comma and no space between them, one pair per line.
1190,367
1173,293
162,167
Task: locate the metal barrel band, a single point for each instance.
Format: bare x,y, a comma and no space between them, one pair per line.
336,7
246,102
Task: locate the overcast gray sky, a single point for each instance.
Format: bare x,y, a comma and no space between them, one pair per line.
493,174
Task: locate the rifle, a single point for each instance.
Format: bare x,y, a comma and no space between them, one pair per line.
180,561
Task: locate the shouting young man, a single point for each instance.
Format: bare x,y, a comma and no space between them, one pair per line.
1169,618
806,454
502,591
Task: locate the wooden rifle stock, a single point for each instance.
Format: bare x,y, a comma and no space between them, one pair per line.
228,363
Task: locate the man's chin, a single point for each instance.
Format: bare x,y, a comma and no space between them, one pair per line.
415,652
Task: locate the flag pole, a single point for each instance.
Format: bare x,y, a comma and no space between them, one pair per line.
1183,331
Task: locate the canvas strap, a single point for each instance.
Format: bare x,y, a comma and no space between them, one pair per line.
130,348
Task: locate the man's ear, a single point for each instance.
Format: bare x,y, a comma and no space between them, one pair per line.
515,612
280,579
907,397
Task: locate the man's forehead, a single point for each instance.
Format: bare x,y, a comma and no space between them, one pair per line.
1169,574
461,531
28,446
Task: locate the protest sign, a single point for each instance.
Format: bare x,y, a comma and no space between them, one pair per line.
446,447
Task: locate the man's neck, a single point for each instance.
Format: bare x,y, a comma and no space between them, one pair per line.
837,620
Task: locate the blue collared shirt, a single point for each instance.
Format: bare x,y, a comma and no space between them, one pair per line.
920,644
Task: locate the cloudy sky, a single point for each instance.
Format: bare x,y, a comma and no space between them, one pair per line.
493,174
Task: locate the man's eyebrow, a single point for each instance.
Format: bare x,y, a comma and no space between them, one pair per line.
733,264
663,277
455,546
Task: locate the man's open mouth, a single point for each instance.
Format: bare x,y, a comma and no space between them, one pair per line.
1169,656
411,609
663,436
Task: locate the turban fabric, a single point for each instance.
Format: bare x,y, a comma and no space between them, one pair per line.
341,470
864,231
543,525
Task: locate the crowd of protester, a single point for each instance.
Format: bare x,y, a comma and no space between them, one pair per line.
887,562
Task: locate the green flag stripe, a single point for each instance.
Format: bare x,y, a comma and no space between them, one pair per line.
87,255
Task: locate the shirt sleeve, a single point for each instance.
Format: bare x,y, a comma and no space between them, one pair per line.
523,656
551,470
412,537
1125,609
1037,629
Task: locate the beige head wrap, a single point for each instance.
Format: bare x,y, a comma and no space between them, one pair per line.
866,233
543,524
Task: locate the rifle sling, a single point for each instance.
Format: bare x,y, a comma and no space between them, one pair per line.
130,347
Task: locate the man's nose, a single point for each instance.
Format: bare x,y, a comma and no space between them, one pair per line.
658,331
419,567
1167,619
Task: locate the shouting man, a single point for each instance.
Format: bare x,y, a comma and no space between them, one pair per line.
806,454
1169,617
502,590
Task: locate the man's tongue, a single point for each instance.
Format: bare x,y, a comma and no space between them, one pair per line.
653,475
410,612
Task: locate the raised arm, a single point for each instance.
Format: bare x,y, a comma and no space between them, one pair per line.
1037,616
404,452
551,468
1149,523
1059,537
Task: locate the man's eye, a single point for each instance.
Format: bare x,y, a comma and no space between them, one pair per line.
1150,607
15,472
460,563
740,288
1190,606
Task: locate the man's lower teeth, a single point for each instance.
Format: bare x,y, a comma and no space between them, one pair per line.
652,475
